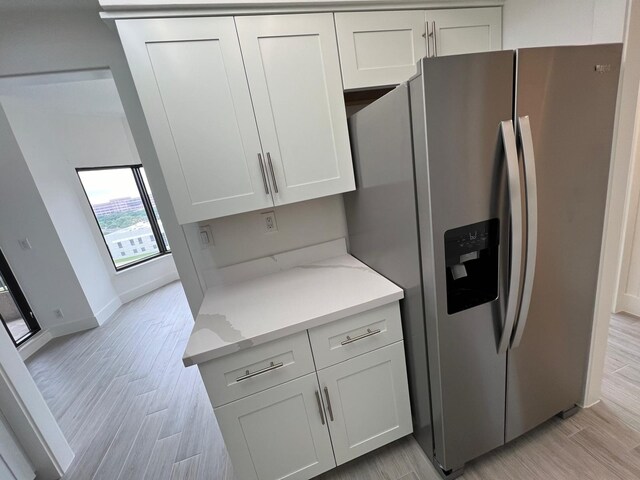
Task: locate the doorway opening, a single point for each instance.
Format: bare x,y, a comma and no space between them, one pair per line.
15,313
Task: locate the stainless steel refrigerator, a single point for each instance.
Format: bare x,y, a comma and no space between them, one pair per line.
481,190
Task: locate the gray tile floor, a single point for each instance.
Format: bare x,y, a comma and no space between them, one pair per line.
131,411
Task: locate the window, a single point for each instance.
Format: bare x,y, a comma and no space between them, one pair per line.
125,210
143,249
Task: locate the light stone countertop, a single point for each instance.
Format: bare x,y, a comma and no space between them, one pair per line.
263,309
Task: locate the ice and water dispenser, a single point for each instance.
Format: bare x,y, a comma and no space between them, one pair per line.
472,264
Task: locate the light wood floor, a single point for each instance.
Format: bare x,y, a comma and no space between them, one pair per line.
130,410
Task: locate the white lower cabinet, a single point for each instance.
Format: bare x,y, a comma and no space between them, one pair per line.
301,428
278,433
369,401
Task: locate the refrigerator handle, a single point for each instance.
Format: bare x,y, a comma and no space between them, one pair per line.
531,192
515,206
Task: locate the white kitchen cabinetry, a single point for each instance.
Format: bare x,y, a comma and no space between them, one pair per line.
191,82
294,76
282,418
278,433
231,140
464,30
382,48
369,401
379,48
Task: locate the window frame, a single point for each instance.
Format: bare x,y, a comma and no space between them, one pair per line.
21,302
148,208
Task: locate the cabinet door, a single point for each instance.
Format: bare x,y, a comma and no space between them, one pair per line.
379,48
464,30
369,400
193,89
278,433
294,76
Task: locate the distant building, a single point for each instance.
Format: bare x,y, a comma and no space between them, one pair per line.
118,205
132,241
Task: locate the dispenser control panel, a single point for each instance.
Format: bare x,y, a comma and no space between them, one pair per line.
471,254
471,238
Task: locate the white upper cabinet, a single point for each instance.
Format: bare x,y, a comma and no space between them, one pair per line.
379,48
293,70
382,48
191,81
464,30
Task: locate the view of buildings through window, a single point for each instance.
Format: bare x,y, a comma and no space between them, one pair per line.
126,213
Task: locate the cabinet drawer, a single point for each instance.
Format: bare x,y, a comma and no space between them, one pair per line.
258,368
355,335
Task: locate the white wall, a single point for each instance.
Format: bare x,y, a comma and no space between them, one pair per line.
40,135
44,272
621,178
536,23
60,39
54,144
239,238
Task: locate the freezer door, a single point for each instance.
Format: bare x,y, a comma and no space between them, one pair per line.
569,95
457,106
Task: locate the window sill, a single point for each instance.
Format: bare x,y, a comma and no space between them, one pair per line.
142,264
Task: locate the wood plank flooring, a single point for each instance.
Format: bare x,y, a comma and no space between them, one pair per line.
130,410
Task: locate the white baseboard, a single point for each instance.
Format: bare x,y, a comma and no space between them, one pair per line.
588,406
108,310
34,344
73,327
630,304
147,287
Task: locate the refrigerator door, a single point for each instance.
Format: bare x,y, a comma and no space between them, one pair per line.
383,229
457,106
569,95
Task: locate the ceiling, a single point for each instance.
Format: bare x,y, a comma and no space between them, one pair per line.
95,96
48,4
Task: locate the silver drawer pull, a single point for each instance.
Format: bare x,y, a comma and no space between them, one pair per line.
247,375
360,337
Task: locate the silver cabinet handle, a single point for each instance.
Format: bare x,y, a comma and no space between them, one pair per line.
515,206
247,375
531,195
320,407
427,37
326,394
435,38
264,175
360,337
273,175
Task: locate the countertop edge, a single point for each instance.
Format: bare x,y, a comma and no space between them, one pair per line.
292,329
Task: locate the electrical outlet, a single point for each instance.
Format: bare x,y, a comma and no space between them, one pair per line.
269,222
58,313
206,237
24,243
